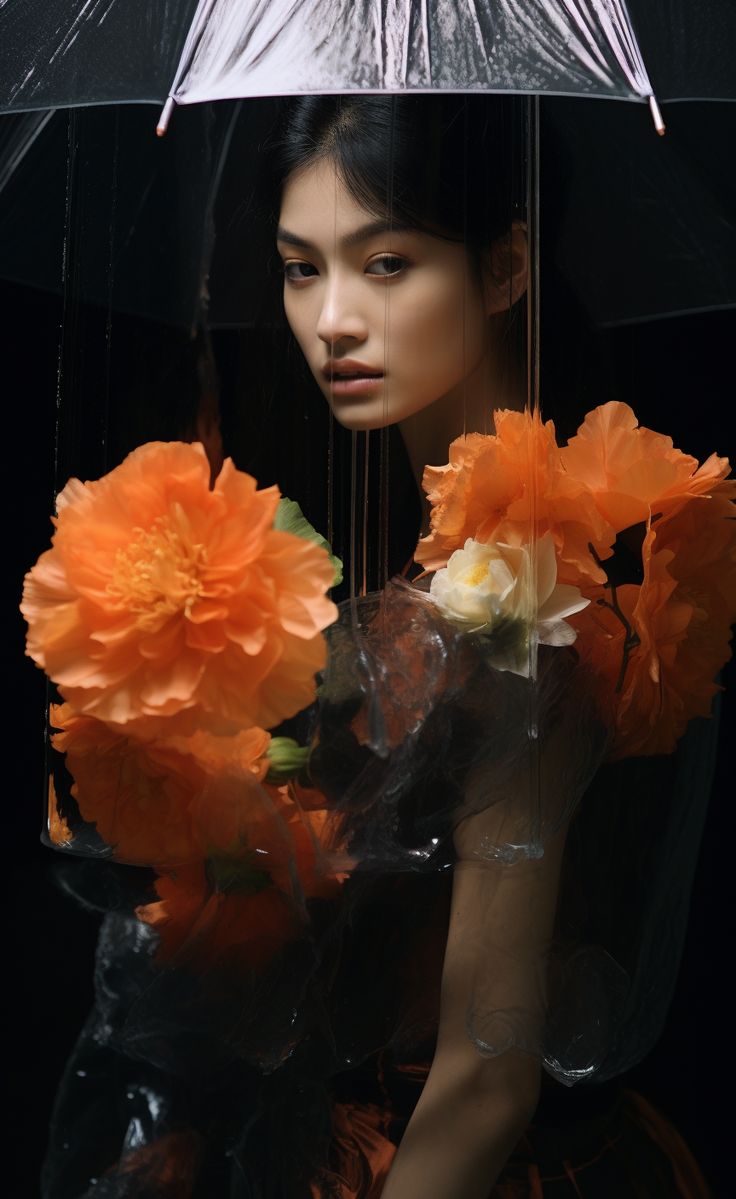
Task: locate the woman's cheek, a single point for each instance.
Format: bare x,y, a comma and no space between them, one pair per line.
435,336
302,314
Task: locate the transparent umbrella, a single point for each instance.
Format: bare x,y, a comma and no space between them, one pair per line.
187,228
64,53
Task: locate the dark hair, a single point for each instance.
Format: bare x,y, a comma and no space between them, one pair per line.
447,164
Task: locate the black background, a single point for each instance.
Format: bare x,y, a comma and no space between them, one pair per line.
678,376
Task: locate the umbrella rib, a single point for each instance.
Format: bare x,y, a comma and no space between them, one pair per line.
426,46
199,20
621,38
623,42
615,24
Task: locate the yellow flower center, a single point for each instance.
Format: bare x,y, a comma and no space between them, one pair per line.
159,573
477,574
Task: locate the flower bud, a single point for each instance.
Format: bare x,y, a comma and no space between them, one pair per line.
286,757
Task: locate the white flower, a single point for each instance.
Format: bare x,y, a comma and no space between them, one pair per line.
486,585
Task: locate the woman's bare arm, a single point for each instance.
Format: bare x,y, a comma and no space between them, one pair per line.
474,1108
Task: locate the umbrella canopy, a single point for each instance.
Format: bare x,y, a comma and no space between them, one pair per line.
185,53
132,213
61,53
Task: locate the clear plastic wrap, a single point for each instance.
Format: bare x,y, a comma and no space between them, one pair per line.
61,54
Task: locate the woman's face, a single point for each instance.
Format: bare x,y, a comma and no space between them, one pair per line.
389,319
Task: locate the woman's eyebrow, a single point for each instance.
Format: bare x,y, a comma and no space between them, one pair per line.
292,239
372,229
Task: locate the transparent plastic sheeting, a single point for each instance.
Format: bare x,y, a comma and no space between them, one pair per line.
323,45
299,777
191,243
59,53
62,53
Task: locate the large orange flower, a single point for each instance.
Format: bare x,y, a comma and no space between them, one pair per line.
201,927
141,795
163,597
291,844
678,628
633,473
662,670
242,903
656,647
511,486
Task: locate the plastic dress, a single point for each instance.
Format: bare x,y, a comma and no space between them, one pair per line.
297,1074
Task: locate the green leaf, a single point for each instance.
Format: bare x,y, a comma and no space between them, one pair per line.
287,758
291,519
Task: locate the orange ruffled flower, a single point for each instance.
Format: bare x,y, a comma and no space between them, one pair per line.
141,795
611,476
167,1166
230,821
508,487
161,597
664,674
679,619
58,829
242,904
633,473
361,1152
204,928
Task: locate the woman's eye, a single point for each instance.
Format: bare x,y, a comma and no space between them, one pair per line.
386,264
297,272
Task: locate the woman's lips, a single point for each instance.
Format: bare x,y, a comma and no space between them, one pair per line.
352,385
348,377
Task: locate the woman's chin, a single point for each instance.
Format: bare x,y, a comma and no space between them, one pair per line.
364,414
374,412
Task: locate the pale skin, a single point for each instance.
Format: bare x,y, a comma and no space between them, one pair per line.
403,303
401,313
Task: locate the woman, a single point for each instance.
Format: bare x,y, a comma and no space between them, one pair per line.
405,261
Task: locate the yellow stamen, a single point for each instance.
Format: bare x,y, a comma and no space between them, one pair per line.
159,573
477,574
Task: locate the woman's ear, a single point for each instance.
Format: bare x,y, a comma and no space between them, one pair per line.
506,276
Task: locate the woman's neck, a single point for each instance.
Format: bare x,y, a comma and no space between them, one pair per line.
467,409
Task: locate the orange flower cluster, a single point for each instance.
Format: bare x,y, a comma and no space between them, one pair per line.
163,597
656,644
140,794
179,625
242,904
502,487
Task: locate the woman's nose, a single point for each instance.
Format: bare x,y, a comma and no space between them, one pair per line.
341,317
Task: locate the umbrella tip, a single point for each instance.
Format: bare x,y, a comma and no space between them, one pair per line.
163,120
659,124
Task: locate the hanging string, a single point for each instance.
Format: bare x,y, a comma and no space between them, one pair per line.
69,304
105,414
331,479
533,408
365,508
384,450
384,476
353,520
465,266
